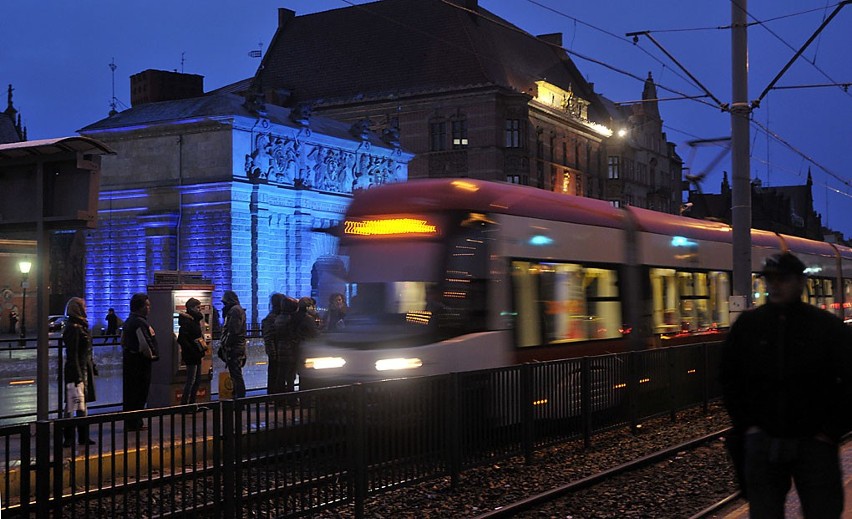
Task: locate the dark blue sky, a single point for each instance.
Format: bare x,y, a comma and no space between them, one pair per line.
57,53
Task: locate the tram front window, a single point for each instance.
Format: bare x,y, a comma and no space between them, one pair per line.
398,314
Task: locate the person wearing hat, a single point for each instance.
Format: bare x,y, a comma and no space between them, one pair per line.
786,375
192,347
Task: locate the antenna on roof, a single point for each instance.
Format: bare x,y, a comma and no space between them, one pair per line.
257,53
112,110
182,60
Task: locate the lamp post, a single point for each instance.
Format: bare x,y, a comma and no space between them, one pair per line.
24,266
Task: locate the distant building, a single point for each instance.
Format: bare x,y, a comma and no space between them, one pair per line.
11,129
229,187
472,96
782,209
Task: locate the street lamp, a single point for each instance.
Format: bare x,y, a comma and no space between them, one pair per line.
24,266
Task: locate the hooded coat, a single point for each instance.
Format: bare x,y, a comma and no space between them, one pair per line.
233,341
79,363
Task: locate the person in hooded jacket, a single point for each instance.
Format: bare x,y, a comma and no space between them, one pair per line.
786,374
79,369
270,342
192,347
232,344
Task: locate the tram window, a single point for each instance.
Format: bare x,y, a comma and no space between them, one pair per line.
564,302
689,301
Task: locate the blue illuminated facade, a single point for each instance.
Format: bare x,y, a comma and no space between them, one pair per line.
241,195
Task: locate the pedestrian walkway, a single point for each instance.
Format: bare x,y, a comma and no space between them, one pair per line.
794,510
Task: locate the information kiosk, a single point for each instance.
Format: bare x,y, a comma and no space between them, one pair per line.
168,296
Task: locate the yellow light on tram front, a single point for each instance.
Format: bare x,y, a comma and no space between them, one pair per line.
389,227
398,364
325,362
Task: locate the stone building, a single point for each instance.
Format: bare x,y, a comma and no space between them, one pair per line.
470,94
228,187
783,209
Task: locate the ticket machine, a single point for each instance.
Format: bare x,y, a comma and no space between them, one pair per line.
168,374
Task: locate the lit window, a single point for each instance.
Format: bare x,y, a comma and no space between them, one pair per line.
459,134
613,167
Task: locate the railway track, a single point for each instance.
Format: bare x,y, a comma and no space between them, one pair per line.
644,475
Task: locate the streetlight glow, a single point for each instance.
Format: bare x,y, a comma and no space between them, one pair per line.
25,267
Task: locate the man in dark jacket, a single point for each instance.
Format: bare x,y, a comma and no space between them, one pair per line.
232,345
192,347
139,350
786,376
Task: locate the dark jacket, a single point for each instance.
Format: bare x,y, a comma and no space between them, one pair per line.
79,364
787,369
300,327
189,331
233,341
136,329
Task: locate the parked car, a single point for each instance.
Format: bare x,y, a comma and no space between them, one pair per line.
55,325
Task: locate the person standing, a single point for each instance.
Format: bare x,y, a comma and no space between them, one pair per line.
301,326
112,323
232,345
139,350
271,335
79,369
336,313
786,374
192,347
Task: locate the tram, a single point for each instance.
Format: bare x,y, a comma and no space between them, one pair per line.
452,275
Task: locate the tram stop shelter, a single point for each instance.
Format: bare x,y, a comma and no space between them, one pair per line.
48,185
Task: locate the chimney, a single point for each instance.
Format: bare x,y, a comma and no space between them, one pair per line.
553,38
152,86
284,16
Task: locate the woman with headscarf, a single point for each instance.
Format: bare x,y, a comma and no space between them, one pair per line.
192,347
79,370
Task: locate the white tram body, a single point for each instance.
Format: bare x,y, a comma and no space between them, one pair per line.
452,275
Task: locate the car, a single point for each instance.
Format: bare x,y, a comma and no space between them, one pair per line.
55,325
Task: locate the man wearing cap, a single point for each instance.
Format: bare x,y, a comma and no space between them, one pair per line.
232,345
786,375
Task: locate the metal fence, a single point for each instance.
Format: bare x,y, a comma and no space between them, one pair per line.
295,454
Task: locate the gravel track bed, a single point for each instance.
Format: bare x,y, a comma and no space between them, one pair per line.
692,483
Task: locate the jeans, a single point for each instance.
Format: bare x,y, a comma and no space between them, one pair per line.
193,379
771,464
235,369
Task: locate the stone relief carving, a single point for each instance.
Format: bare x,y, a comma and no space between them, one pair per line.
291,161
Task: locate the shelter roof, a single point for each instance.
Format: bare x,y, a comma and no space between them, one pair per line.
46,147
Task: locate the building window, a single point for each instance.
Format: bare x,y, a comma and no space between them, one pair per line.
613,171
513,133
564,153
438,135
459,134
513,179
615,203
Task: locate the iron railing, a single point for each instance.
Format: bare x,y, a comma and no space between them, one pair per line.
295,454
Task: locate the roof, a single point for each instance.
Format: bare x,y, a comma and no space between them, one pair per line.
399,47
46,147
8,131
215,107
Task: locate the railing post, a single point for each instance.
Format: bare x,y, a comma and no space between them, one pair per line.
672,382
454,430
586,400
634,386
359,446
42,470
527,380
229,434
705,377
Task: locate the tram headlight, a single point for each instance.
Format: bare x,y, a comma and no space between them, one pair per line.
325,362
398,364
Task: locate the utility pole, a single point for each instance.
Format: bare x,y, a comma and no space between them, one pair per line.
740,168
